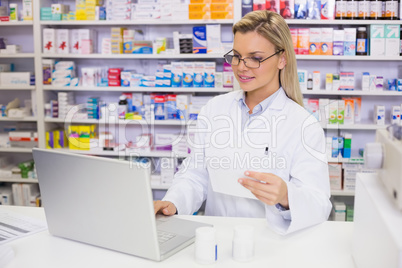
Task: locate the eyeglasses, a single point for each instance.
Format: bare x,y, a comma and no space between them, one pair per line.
249,62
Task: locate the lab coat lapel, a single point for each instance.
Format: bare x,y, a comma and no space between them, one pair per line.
235,112
274,110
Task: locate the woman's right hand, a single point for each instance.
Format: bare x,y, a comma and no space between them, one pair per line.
164,207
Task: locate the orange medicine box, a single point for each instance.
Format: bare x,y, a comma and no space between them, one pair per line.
199,15
315,41
293,33
211,1
221,15
199,8
200,1
303,41
221,7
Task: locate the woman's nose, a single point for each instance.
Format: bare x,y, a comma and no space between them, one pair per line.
242,65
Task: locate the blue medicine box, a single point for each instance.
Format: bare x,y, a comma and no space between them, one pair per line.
199,39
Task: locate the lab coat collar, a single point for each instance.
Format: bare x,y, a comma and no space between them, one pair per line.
277,104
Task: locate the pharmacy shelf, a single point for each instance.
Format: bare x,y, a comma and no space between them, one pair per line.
125,153
74,121
352,93
155,154
340,22
342,193
16,23
24,119
182,123
133,56
132,152
349,58
93,152
141,89
15,150
354,160
133,22
120,122
18,180
18,55
355,126
17,87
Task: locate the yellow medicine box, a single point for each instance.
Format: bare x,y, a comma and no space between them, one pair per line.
92,3
73,138
85,133
117,32
49,140
79,137
60,140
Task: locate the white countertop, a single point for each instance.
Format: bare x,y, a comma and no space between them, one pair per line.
325,245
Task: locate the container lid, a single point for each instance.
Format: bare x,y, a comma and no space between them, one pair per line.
362,29
205,234
243,232
123,97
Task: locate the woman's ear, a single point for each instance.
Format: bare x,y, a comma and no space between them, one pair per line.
282,61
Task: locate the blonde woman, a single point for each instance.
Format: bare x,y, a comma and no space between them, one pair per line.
257,152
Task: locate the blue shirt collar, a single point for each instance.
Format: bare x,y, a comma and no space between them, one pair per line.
262,106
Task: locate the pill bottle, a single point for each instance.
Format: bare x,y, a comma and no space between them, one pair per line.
243,243
206,248
361,40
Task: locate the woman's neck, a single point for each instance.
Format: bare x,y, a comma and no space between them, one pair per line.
253,98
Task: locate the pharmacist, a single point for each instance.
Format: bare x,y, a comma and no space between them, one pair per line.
256,152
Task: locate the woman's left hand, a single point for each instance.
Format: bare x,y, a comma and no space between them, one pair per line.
267,187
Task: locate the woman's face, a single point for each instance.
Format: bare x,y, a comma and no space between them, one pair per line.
264,79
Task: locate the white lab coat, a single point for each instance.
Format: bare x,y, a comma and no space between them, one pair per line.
296,145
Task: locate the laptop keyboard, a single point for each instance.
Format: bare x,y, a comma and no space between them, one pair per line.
164,236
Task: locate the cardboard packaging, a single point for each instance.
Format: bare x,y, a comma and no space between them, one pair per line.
349,45
326,41
49,41
392,40
338,40
315,41
377,40
303,41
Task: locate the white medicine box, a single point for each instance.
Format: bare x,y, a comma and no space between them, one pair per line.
379,114
49,41
392,42
339,211
377,40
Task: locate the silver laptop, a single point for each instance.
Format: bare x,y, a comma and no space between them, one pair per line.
107,203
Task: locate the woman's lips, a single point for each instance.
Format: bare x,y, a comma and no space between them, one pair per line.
245,78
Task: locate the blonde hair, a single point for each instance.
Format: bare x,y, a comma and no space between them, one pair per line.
273,27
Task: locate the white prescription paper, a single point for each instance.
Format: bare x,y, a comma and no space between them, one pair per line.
14,225
225,181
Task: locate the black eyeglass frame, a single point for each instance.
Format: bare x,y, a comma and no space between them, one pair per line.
244,59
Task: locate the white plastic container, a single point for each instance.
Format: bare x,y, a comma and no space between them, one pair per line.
243,243
206,249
